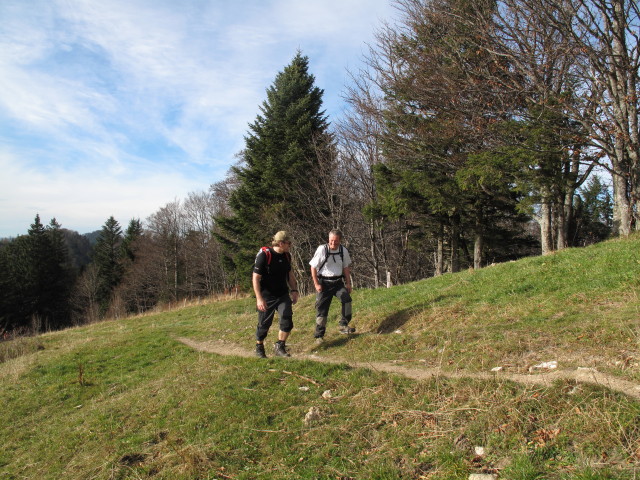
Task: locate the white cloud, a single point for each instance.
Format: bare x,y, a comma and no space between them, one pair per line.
148,99
83,199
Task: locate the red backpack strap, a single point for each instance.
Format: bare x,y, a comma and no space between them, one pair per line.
267,252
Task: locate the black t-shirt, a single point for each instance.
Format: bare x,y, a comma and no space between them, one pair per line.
274,276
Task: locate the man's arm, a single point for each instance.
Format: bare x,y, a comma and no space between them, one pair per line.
293,285
260,303
316,281
346,271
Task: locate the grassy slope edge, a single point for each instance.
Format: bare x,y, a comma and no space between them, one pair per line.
125,399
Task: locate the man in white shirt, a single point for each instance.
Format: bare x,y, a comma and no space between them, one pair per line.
331,272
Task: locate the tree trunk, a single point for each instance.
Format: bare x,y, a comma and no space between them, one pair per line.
440,253
621,206
544,220
564,220
477,252
455,243
374,257
478,243
622,81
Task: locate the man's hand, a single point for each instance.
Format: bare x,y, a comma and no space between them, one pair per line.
294,297
261,304
318,287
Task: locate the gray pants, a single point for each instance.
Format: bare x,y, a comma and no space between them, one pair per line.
331,289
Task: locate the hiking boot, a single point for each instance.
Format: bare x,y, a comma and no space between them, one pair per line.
260,350
319,340
346,329
280,349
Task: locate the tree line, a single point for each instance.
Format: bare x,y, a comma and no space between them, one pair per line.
472,137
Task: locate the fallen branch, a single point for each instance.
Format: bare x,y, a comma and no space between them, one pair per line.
302,377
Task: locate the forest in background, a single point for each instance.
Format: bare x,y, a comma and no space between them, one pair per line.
472,138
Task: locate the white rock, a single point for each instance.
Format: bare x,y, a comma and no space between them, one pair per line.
327,394
496,369
483,476
547,365
479,451
312,416
304,389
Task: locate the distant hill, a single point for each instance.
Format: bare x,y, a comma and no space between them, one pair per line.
92,237
80,248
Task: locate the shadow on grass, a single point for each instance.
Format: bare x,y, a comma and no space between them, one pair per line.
394,321
397,319
340,341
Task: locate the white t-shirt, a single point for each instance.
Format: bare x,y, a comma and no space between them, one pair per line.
334,265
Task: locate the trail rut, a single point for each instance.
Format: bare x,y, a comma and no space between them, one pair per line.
581,375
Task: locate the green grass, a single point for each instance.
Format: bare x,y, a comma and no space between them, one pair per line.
126,400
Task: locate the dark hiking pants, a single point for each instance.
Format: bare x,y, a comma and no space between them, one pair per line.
331,289
285,314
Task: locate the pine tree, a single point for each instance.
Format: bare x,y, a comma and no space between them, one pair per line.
36,280
132,234
107,258
594,213
16,302
280,155
58,278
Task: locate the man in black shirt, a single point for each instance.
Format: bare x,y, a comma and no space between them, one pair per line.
272,277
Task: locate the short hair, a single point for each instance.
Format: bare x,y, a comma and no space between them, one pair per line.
335,232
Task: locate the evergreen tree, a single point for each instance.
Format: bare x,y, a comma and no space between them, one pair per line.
16,303
434,119
594,213
36,279
131,235
280,156
58,278
107,258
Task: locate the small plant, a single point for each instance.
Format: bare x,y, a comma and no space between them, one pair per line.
81,375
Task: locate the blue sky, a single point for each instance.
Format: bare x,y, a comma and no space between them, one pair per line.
117,107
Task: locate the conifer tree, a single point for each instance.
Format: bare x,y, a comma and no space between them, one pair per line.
16,303
132,234
58,276
36,280
107,258
280,156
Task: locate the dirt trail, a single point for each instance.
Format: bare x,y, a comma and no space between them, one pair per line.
582,375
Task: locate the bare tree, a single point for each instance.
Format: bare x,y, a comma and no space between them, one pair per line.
84,298
605,35
359,135
591,48
167,226
201,252
144,284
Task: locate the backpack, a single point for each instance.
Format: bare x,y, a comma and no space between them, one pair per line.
326,256
267,252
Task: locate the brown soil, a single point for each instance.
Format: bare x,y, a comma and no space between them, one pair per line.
581,375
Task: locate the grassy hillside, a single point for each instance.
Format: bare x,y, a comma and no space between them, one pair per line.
126,399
